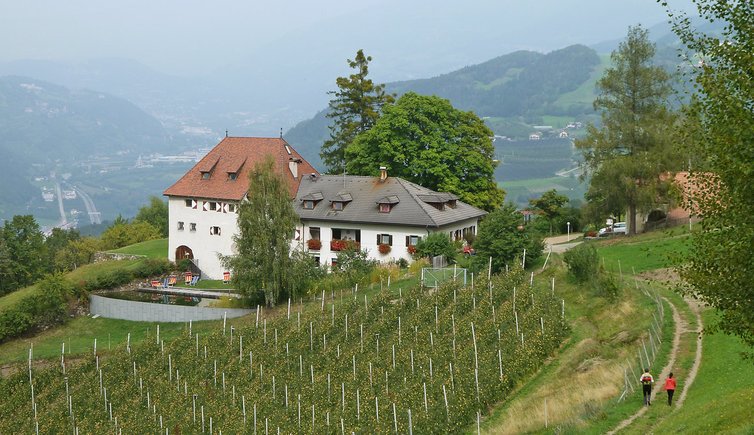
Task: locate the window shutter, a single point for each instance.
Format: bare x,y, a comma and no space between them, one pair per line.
408,240
379,238
390,240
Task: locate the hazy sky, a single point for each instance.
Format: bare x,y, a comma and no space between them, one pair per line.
192,36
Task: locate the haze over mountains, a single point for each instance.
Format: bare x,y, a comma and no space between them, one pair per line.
175,76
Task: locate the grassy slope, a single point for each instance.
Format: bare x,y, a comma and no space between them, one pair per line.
151,248
718,401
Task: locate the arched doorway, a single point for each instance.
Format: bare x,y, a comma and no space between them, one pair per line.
183,252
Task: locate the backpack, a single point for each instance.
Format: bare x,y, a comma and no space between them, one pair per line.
646,380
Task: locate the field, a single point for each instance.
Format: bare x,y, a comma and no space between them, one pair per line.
521,191
358,364
157,248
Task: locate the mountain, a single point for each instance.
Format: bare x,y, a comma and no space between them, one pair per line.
41,120
508,90
42,123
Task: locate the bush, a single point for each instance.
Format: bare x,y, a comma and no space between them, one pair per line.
153,267
45,307
608,287
582,262
436,244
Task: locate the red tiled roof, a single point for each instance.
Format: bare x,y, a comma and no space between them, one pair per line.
238,154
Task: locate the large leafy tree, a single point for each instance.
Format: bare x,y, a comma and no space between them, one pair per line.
628,154
266,222
155,213
503,237
355,107
720,263
22,253
429,142
549,205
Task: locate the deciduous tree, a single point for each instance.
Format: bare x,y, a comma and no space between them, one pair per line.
503,237
24,253
266,222
627,155
720,263
155,213
355,107
550,205
427,141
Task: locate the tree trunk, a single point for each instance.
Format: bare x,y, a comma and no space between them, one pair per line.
632,219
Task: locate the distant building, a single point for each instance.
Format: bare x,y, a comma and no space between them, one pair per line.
563,134
535,136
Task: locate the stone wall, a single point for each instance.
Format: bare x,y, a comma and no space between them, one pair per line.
110,256
149,312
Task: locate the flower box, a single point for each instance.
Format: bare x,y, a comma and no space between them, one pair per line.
314,244
384,248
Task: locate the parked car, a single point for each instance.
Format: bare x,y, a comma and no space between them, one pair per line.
616,228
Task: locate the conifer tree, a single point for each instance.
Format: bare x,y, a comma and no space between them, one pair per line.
355,107
628,154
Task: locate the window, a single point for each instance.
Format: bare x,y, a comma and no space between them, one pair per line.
314,233
206,175
384,239
231,208
337,205
214,231
385,208
452,203
309,205
412,240
213,206
232,176
189,203
180,226
192,226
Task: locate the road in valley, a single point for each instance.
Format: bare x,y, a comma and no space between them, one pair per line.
94,215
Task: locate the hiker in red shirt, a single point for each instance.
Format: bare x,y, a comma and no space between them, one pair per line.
670,387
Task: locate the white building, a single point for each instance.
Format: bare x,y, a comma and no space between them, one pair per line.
372,211
202,204
334,209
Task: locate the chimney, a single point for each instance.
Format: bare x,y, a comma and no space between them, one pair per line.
383,174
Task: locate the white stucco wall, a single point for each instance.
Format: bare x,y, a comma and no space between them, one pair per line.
369,238
204,245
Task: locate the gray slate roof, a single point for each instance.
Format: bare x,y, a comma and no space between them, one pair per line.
410,202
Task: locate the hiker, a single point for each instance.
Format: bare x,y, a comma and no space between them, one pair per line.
646,381
670,387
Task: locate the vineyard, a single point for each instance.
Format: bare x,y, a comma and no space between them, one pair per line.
400,360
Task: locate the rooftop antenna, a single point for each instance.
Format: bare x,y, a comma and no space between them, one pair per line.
281,132
226,132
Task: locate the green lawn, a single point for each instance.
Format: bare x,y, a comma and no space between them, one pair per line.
12,298
157,248
654,250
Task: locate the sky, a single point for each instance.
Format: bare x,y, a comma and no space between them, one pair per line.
191,37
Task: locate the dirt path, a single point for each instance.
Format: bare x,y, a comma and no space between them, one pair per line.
681,326
560,244
697,358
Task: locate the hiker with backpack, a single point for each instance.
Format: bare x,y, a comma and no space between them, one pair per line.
646,381
670,387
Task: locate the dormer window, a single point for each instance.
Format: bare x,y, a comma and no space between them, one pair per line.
206,175
339,202
311,200
452,203
385,205
232,176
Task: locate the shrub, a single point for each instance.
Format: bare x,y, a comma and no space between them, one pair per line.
153,267
582,262
436,244
608,287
